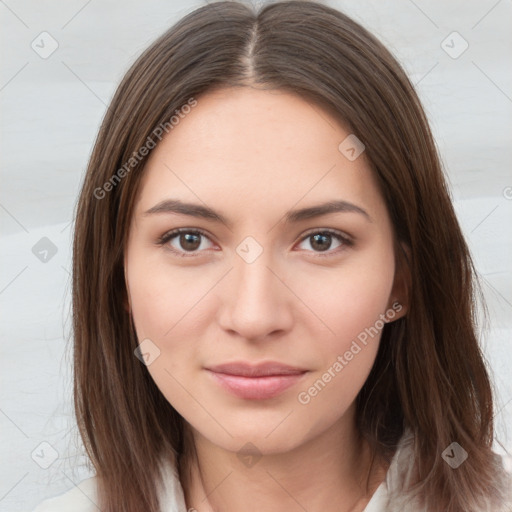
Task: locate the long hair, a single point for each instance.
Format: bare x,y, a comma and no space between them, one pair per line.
429,374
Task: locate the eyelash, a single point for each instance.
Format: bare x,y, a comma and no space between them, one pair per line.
167,237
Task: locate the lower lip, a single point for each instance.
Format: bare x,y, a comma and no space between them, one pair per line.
256,388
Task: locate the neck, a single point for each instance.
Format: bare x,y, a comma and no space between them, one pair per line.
328,473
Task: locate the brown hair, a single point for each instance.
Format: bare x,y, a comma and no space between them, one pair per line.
429,374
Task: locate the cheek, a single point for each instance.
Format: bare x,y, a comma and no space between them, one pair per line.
350,303
352,309
161,299
350,299
165,306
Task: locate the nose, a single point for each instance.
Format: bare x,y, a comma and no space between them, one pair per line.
256,301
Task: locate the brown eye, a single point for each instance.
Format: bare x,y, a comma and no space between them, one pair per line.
183,241
189,241
322,241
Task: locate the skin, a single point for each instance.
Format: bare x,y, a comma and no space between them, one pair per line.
253,155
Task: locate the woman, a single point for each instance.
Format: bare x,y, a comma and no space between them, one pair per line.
273,300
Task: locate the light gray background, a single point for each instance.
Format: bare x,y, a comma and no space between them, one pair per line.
52,108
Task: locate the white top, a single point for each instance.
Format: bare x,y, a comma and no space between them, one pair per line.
82,498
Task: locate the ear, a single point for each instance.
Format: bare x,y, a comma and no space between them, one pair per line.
400,293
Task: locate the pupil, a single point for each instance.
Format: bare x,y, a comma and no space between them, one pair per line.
324,237
187,239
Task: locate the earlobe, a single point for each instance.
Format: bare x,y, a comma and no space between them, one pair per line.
400,294
126,304
395,311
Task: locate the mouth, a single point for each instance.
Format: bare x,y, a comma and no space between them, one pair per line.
256,382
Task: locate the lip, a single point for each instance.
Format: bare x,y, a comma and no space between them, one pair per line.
256,381
263,369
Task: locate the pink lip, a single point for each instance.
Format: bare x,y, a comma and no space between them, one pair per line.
256,382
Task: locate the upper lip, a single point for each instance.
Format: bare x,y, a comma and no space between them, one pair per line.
245,369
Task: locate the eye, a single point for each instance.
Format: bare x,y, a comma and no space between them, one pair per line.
321,241
182,241
187,241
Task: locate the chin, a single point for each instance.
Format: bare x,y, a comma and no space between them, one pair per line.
261,437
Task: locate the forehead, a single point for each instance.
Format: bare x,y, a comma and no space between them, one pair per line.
256,149
235,122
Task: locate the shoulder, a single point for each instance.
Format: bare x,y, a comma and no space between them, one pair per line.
399,479
81,498
506,485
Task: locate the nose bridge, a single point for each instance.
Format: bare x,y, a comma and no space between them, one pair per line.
257,300
255,278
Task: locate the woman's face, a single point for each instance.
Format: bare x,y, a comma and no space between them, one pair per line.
260,280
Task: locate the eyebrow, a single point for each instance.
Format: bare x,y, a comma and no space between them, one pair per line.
196,210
